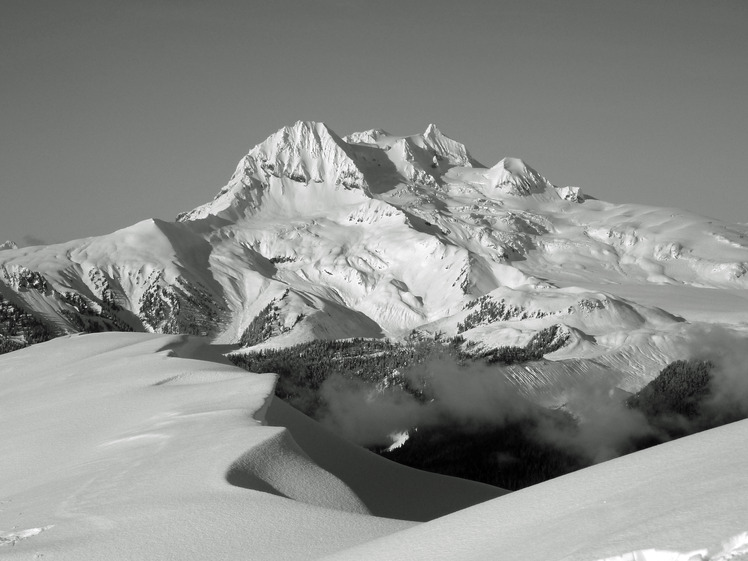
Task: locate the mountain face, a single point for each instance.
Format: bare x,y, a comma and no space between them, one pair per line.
317,236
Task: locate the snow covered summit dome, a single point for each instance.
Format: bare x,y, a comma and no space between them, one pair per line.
515,177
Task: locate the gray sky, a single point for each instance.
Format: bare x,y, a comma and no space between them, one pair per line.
117,111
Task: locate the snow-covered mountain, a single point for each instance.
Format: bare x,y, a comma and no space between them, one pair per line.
149,445
318,236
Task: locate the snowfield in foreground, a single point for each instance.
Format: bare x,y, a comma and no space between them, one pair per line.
139,446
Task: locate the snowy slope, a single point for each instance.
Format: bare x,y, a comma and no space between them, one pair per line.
681,501
138,446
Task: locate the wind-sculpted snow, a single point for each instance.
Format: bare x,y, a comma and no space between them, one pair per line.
125,446
280,467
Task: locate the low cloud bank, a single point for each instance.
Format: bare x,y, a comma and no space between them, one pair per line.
443,391
448,393
728,352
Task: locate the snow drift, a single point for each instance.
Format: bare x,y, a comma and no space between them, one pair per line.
121,446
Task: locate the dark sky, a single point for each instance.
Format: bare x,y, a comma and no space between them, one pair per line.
113,112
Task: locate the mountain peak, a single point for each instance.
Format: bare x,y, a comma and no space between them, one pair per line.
366,137
308,151
515,166
432,130
453,152
302,135
310,127
291,160
515,177
9,244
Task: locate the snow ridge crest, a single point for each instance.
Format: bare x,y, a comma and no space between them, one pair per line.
308,163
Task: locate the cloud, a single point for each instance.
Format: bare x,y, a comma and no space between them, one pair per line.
367,415
727,350
472,394
605,427
451,393
469,394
